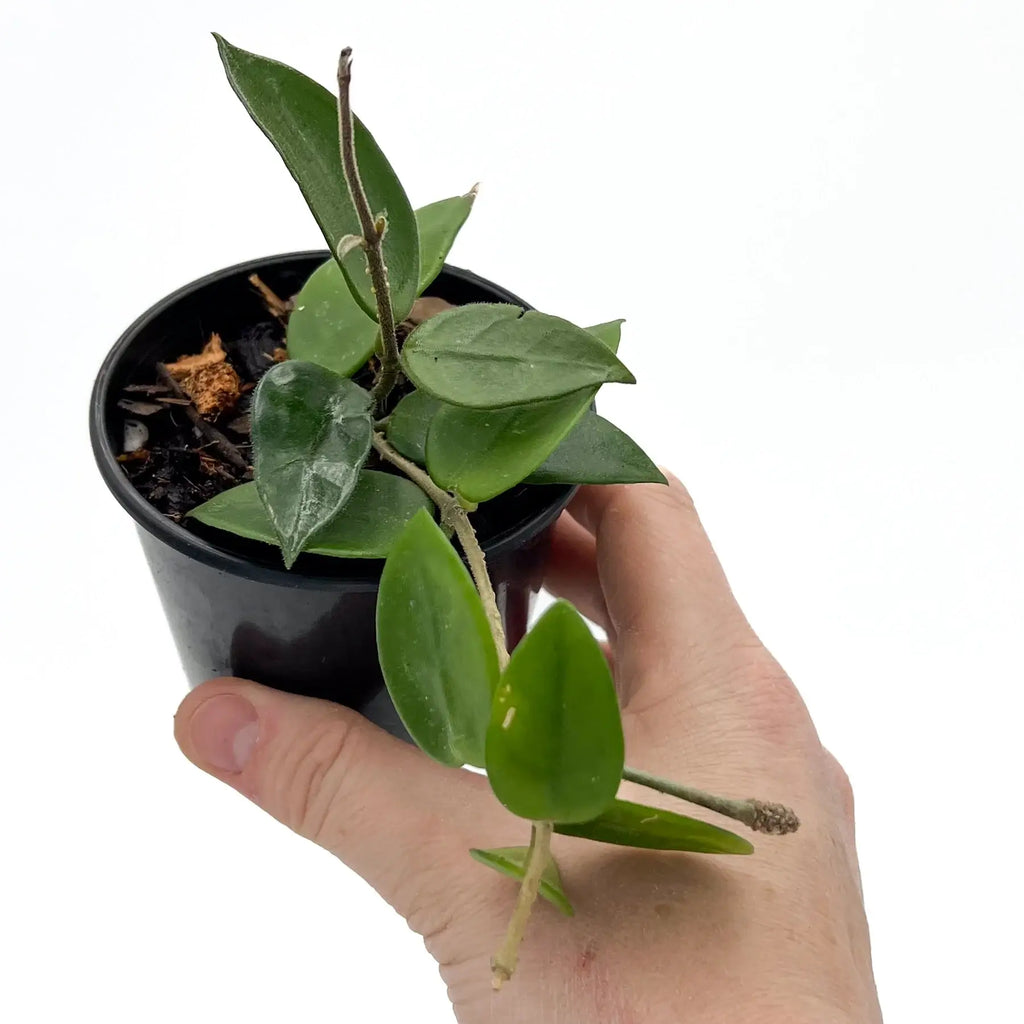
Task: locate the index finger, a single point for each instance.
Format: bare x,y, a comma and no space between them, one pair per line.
667,597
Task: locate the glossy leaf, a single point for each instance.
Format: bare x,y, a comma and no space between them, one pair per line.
408,425
554,744
435,647
597,452
311,432
492,355
483,452
373,517
438,225
629,824
327,325
300,118
511,861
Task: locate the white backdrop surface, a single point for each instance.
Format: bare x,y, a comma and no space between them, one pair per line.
810,215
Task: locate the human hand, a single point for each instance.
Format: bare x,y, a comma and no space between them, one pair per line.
780,936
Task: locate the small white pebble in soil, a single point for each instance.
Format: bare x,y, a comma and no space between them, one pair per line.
136,434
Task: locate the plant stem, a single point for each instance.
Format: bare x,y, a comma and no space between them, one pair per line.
373,233
456,517
503,963
774,819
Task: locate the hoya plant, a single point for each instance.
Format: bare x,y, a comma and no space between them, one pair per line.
471,402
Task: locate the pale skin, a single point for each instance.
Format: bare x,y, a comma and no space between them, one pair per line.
779,937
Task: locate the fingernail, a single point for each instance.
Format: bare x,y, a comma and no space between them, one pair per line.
224,730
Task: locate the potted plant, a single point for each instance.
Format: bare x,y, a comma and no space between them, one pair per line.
349,488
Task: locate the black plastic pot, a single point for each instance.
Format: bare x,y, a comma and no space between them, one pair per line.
232,607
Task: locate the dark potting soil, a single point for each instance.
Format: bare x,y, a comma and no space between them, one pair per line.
176,465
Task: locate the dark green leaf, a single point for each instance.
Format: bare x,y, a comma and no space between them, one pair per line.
554,745
327,325
492,355
597,452
408,425
300,118
311,432
511,861
438,225
373,517
436,650
483,452
629,824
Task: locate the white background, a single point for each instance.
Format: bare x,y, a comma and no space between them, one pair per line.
810,215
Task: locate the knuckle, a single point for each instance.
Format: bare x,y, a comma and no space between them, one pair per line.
312,772
842,785
774,708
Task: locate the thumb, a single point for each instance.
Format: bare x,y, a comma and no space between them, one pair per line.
398,819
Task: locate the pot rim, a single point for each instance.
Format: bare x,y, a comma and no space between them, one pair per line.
194,546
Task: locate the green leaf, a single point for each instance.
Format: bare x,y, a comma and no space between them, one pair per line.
554,744
300,118
511,861
597,452
408,425
608,334
367,527
438,225
492,355
629,824
483,452
311,432
327,325
435,647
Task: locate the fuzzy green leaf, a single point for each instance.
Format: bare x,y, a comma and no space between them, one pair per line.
435,647
376,513
597,452
629,824
327,325
493,355
511,861
408,425
311,432
300,118
438,225
554,744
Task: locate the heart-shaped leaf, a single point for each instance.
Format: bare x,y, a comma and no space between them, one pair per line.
481,453
629,824
511,861
492,355
367,527
554,744
311,432
408,425
438,225
327,326
597,452
300,117
435,647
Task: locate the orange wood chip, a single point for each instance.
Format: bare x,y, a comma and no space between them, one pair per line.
215,389
213,353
